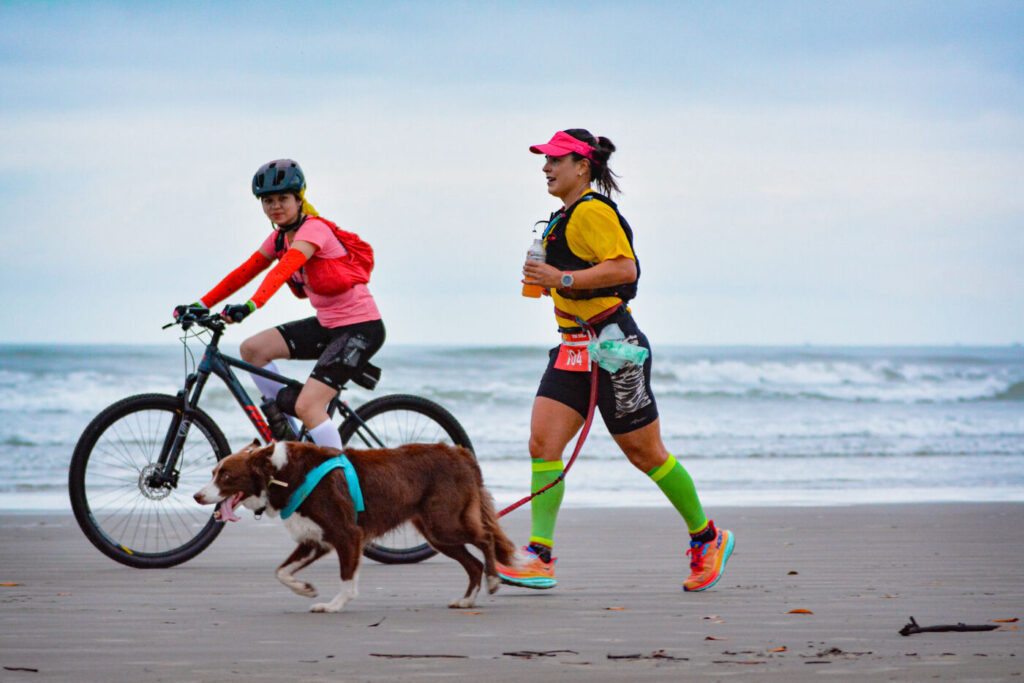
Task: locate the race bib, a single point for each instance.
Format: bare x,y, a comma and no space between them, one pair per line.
572,354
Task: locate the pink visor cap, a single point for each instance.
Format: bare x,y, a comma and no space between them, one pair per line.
561,144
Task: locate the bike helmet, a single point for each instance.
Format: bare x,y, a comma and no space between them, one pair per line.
280,175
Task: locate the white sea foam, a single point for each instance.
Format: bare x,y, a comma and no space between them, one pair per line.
774,424
842,380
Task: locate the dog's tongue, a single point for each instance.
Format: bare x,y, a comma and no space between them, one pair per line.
226,511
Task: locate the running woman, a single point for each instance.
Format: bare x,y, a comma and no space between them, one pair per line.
591,271
329,267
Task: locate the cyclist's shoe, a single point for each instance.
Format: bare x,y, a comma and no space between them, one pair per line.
531,571
707,560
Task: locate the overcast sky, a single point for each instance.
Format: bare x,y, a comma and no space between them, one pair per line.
795,172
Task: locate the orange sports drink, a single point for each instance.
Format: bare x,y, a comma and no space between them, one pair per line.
532,291
536,253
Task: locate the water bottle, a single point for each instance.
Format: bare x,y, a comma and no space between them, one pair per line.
280,426
536,253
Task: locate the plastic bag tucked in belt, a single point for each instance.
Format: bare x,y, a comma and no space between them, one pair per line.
612,352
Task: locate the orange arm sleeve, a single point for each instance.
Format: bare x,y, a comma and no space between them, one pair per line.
236,279
285,268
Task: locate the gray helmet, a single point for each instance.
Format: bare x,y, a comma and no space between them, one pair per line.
280,175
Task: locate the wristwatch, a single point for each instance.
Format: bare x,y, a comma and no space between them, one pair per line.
567,280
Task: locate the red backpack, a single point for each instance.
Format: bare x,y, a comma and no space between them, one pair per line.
330,276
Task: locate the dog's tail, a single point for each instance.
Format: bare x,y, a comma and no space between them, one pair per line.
504,548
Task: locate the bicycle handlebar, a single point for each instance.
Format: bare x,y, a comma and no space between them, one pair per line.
198,315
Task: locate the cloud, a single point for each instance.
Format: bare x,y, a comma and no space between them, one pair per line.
845,188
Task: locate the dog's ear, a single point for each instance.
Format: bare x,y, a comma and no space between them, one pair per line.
253,446
262,467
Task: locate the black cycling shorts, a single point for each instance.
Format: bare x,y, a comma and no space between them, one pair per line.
624,398
340,352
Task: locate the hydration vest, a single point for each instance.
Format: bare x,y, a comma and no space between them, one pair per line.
559,255
331,276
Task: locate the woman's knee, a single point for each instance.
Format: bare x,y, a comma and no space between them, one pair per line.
552,426
264,347
311,405
545,448
644,447
647,460
252,351
308,410
536,447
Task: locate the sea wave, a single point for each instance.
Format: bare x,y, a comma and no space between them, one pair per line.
789,419
59,380
1014,392
876,380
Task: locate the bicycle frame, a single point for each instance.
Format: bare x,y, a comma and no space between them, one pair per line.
214,362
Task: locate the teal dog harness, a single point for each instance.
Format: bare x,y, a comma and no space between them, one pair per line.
314,477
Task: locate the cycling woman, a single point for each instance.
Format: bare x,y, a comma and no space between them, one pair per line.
591,271
330,267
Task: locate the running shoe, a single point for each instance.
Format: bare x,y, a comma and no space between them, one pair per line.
707,560
531,572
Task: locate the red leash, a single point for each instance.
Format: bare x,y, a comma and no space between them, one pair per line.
588,326
576,451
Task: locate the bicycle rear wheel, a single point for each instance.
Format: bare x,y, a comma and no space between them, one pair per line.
392,421
122,511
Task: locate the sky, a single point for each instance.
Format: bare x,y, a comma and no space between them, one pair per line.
794,172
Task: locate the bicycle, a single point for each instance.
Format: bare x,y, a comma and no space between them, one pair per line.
137,464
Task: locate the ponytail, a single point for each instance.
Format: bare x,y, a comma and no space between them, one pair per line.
600,173
307,208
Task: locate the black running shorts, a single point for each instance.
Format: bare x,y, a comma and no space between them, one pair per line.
340,352
624,398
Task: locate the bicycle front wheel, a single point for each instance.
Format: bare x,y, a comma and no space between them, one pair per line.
389,422
120,503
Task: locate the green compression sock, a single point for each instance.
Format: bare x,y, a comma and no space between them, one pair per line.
675,482
544,508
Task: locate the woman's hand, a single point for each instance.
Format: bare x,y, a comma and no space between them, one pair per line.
609,273
185,308
236,313
540,273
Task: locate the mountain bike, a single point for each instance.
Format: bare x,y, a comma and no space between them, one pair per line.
138,463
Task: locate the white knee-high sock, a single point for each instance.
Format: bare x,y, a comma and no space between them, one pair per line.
326,434
268,387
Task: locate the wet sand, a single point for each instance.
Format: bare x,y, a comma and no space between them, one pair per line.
618,613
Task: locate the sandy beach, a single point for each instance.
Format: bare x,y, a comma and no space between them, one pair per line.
618,613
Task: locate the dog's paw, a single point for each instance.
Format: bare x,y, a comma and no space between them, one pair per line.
306,590
324,607
493,584
461,603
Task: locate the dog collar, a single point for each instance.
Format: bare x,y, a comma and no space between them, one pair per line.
314,477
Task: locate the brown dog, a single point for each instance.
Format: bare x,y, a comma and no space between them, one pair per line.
438,488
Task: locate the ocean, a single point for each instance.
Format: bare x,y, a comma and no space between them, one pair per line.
753,425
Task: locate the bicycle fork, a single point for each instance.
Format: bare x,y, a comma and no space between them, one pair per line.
165,471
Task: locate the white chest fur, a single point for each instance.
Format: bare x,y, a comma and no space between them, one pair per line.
303,529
